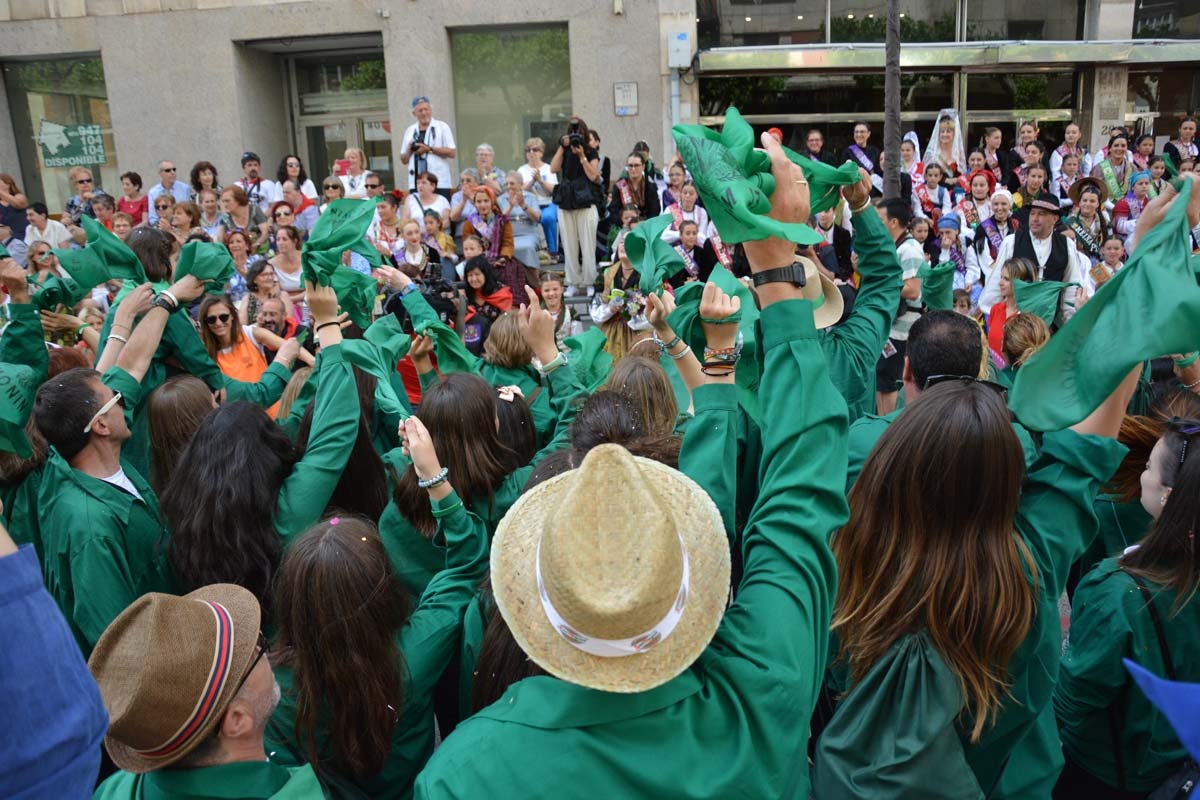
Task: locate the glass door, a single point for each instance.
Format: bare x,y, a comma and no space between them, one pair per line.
326,143
377,144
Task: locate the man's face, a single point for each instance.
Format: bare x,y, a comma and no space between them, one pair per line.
374,186
815,141
167,172
113,420
293,197
423,112
250,168
1041,222
270,316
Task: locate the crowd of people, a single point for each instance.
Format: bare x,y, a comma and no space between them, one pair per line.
567,495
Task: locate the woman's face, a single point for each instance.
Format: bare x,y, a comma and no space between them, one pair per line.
236,245
994,139
949,237
354,158
266,283
946,133
293,167
208,202
283,215
1141,189
621,252
1001,208
483,204
1146,147
533,153
1027,133
475,279
594,143
1088,203
284,241
385,210
688,197
468,183
219,320
976,161
512,183
1005,284
1035,180
127,187
1187,131
424,187
979,187
552,292
1117,150
206,177
1032,156
1071,134
332,191
227,204
1153,490
42,258
412,234
35,219
483,160
861,134
675,176
180,218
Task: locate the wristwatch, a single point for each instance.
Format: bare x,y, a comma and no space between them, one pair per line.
793,273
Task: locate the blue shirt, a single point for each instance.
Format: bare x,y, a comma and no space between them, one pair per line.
180,192
54,719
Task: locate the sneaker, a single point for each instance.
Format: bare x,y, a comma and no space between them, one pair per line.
591,291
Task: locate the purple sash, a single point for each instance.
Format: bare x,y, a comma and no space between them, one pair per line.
993,235
862,158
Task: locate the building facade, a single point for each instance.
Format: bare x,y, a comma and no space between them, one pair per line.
118,85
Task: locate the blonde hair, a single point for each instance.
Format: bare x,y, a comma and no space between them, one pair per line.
535,141
644,382
1024,335
292,391
505,346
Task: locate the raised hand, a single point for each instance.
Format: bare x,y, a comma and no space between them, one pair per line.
716,305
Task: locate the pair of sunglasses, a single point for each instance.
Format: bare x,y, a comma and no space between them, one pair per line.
212,319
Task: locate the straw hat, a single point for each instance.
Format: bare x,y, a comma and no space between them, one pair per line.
167,668
636,591
1084,183
823,293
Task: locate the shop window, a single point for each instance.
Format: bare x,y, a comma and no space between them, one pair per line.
822,93
60,120
866,20
328,84
1166,19
1032,20
507,82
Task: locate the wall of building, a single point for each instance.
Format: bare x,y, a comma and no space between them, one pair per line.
181,84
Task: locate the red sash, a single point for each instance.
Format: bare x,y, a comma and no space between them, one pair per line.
993,164
923,196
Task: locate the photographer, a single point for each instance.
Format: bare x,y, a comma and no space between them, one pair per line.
575,197
428,147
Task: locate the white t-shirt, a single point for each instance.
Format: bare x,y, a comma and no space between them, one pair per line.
526,172
438,134
414,210
121,481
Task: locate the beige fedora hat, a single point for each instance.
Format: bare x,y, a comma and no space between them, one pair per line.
167,668
823,293
617,597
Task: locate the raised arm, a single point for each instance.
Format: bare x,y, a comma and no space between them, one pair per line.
22,342
658,309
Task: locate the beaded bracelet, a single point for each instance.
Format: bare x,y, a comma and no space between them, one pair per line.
665,346
436,480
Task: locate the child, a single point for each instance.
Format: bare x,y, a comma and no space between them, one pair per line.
1034,153
920,229
1112,255
686,209
552,301
966,276
1158,168
933,197
963,305
1066,178
1033,188
698,259
472,246
630,217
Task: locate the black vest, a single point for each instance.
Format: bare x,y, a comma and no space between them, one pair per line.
1056,265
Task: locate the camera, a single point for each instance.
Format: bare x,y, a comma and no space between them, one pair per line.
575,139
414,145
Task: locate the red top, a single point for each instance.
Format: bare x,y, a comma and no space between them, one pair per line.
996,320
138,209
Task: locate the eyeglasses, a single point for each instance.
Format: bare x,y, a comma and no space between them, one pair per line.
84,180
104,409
934,380
293,163
168,169
212,319
282,214
373,185
162,207
332,186
262,651
633,165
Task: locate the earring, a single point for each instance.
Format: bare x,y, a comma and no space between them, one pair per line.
1163,500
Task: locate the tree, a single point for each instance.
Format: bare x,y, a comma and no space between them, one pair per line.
891,104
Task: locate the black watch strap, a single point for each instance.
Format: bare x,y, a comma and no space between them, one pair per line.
793,273
164,304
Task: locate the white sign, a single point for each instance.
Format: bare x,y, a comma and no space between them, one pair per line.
625,98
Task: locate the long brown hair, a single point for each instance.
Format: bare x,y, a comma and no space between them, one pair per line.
1168,554
505,346
235,326
174,411
338,608
951,566
645,383
1024,335
460,413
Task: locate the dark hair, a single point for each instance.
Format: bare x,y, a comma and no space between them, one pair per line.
220,501
944,343
293,233
460,413
1155,160
1168,555
1036,145
516,430
988,131
480,263
38,207
191,209
174,411
253,270
65,358
235,327
282,174
1116,136
153,248
104,201
197,168
389,198
336,596
612,417
62,408
13,468
1138,141
427,176
133,177
862,122
362,485
899,210
575,119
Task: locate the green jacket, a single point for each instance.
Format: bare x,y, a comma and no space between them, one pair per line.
853,348
735,723
1110,621
22,343
306,491
416,559
902,749
242,780
181,351
102,548
1121,525
427,641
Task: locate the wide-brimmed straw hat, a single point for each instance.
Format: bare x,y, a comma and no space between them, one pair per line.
617,597
168,667
1094,184
827,301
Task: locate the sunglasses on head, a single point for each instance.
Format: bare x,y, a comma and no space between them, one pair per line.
934,380
213,319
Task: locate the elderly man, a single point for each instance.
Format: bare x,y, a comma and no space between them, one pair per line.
190,690
273,316
259,190
176,190
428,145
305,210
489,174
102,537
17,250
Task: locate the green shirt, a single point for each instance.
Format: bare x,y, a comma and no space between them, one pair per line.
414,558
22,343
427,641
1121,525
243,780
1109,621
735,723
102,548
1018,754
853,348
544,418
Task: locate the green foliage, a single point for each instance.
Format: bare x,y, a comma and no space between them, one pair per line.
1031,91
84,76
498,59
864,29
367,76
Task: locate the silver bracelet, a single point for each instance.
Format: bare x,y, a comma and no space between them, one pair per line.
436,480
676,356
1191,385
119,338
170,296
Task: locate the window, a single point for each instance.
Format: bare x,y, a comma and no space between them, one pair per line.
330,84
726,23
60,119
1165,19
823,93
506,81
866,20
1035,20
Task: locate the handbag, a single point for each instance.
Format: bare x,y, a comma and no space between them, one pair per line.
1180,784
